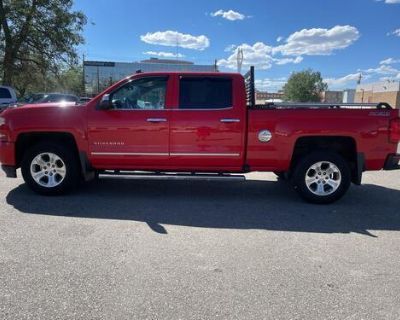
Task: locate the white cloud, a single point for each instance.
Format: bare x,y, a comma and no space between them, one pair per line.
288,60
395,33
230,48
319,41
279,39
390,61
229,15
382,69
164,54
173,38
391,1
258,55
343,81
270,85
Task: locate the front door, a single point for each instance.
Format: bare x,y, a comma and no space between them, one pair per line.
134,133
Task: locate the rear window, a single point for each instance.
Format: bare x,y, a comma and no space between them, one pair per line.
205,93
5,93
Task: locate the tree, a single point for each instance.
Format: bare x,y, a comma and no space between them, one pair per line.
40,33
304,86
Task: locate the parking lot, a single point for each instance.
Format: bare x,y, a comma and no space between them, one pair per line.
145,249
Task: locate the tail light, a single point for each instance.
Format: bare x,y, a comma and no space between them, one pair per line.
394,131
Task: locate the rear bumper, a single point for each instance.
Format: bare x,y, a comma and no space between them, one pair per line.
392,162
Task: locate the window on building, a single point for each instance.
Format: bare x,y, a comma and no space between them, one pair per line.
205,93
141,94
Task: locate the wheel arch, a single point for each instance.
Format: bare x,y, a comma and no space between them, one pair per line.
345,146
27,139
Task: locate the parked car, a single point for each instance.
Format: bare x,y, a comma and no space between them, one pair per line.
83,100
51,97
198,123
7,97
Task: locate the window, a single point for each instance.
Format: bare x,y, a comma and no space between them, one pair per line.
5,93
205,93
141,94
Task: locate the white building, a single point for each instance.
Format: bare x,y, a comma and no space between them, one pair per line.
349,95
99,75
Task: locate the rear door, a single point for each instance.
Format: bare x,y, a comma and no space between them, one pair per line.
207,125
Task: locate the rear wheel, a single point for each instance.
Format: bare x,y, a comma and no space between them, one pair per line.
322,177
50,169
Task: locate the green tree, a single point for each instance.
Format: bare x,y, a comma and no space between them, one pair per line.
40,33
304,86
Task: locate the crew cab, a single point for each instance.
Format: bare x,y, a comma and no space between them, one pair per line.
198,123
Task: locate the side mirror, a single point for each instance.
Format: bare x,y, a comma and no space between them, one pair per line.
105,103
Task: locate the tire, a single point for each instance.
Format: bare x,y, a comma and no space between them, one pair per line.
59,178
322,177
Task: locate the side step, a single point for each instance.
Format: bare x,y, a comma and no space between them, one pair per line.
140,175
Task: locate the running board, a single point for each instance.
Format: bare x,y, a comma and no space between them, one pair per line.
169,176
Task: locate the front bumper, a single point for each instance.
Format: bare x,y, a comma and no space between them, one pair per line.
7,158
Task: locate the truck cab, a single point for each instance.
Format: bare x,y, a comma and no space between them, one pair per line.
193,122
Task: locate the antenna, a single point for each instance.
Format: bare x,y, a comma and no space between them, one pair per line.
359,78
177,47
240,58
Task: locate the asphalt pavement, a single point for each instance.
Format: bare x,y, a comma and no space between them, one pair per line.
146,249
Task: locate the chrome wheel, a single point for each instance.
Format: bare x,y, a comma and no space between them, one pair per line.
323,178
48,170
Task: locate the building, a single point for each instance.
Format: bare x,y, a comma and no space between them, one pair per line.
384,91
98,75
349,95
332,97
263,97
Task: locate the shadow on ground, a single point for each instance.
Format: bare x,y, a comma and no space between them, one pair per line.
250,204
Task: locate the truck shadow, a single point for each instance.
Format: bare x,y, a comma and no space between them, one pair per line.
250,204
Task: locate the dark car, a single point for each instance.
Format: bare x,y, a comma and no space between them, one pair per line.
83,100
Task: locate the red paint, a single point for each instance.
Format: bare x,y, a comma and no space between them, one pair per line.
197,140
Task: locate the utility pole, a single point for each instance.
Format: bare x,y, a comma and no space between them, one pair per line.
240,58
98,80
83,75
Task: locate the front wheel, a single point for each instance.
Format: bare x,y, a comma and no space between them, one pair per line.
50,169
322,177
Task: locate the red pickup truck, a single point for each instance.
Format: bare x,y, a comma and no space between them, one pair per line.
198,123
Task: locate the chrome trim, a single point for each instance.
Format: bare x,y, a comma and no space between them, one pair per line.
264,136
159,154
230,120
398,148
203,109
156,120
205,154
165,154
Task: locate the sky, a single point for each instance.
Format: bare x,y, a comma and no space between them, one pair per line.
339,38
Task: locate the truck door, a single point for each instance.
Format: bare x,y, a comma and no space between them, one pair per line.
134,133
208,124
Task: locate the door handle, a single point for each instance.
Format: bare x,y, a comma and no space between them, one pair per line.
230,120
155,120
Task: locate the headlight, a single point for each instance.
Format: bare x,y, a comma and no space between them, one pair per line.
2,121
